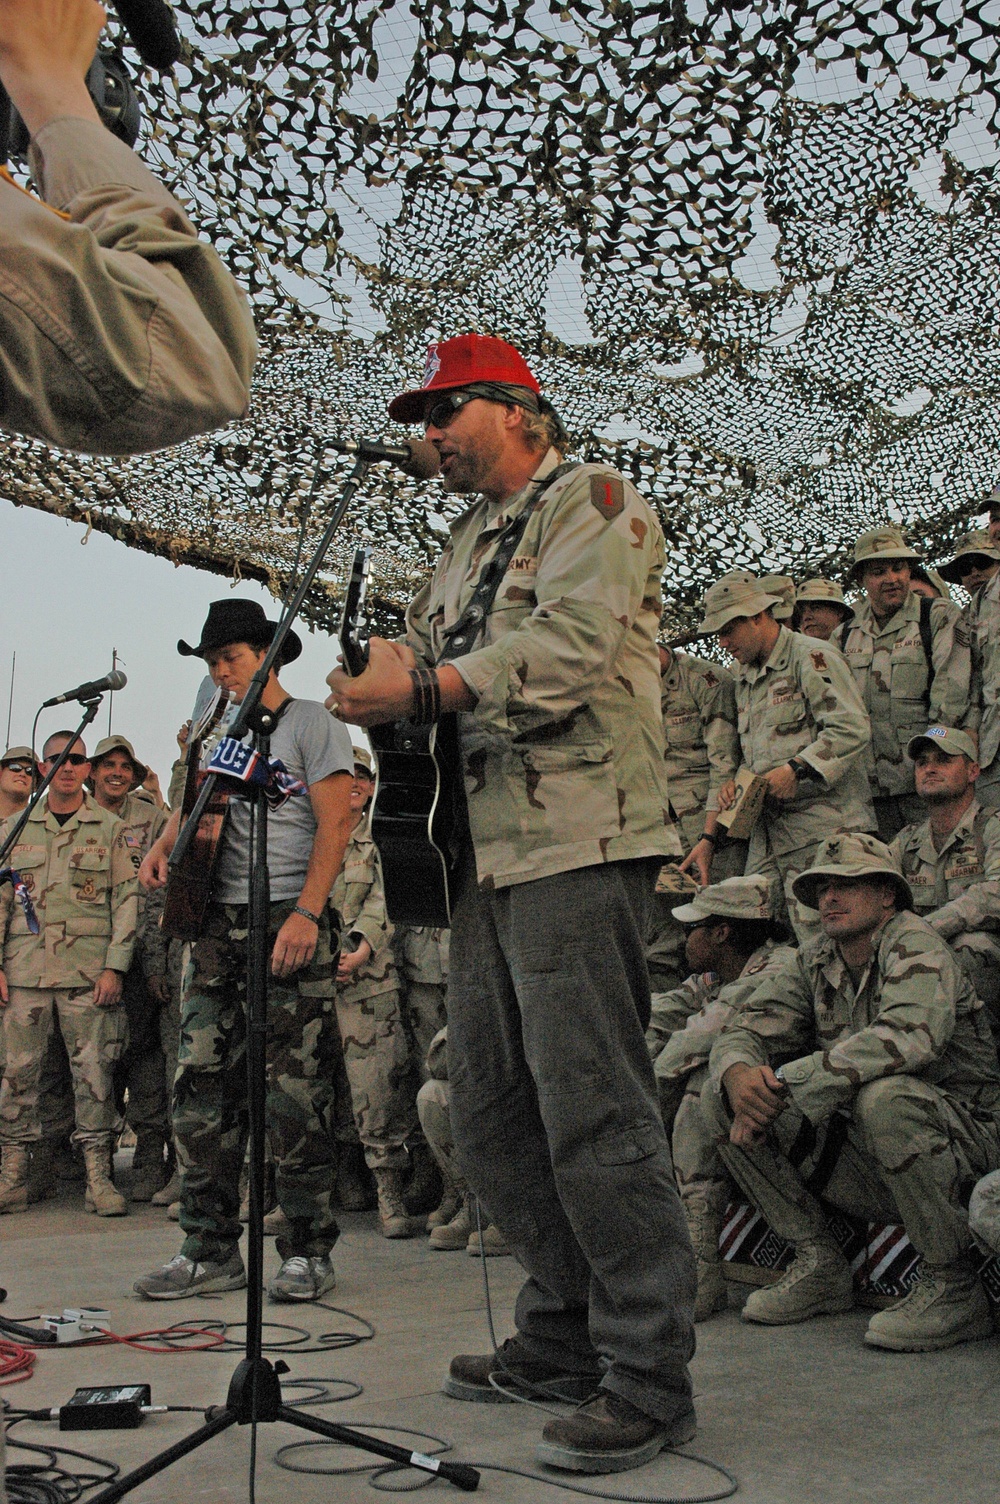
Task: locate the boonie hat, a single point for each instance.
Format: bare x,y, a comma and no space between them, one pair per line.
972,544
362,758
19,754
992,505
824,592
948,738
736,594
466,360
930,577
733,898
851,854
238,621
118,744
880,543
783,586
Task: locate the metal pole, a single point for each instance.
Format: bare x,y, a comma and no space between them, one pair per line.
10,699
111,696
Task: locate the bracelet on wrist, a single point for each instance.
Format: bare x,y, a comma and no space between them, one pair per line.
306,913
709,835
426,696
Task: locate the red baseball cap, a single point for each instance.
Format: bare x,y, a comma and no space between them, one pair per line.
463,361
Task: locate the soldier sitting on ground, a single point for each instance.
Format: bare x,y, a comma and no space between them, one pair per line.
731,936
951,860
862,1070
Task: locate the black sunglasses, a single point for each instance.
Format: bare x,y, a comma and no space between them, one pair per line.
75,758
18,767
970,562
440,413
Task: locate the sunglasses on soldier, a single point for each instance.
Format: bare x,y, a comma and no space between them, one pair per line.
17,767
74,757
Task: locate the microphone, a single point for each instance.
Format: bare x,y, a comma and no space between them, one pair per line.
115,680
151,31
414,456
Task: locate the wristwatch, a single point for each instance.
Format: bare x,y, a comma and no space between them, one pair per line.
804,771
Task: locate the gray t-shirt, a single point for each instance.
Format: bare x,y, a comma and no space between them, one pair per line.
312,745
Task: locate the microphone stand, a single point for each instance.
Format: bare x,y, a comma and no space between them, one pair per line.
90,709
254,1394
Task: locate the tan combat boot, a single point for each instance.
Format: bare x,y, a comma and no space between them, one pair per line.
393,1217
817,1283
101,1196
712,1293
944,1307
451,1236
486,1245
14,1178
42,1184
449,1206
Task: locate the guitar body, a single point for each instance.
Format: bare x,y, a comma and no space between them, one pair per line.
414,814
189,886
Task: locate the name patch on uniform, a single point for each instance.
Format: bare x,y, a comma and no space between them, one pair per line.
965,869
523,564
785,696
607,493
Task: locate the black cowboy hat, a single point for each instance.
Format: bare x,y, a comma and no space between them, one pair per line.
238,621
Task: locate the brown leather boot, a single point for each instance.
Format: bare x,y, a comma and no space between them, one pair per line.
101,1196
14,1178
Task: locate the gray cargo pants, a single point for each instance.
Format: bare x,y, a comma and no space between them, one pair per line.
557,1124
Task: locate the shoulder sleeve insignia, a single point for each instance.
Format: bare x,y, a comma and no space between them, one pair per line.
607,492
711,680
819,662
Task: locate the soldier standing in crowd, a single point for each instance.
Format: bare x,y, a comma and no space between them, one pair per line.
820,608
382,1091
912,662
888,1102
17,779
76,868
951,860
802,727
701,752
731,937
976,565
307,834
554,674
142,1072
421,953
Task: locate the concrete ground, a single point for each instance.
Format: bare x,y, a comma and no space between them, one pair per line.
803,1415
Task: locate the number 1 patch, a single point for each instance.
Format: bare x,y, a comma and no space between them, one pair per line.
607,492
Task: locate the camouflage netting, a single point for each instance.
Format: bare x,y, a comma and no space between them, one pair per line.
753,255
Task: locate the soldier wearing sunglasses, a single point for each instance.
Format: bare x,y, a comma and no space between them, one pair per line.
17,777
77,871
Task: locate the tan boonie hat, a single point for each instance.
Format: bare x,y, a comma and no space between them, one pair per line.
736,594
855,855
880,543
19,754
947,738
733,898
118,744
972,544
362,758
824,592
783,586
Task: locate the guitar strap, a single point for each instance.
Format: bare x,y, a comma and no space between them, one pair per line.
460,637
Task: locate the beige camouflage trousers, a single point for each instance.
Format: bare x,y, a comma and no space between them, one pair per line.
424,1013
434,1111
701,1177
782,872
376,1062
94,1039
910,1153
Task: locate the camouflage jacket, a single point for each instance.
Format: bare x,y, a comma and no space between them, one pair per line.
913,1013
422,953
82,882
686,1022
803,703
890,666
563,754
359,899
956,889
983,614
143,822
701,746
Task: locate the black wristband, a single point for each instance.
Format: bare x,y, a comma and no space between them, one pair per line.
298,909
709,835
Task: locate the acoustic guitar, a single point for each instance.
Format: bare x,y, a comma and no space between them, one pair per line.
189,885
414,814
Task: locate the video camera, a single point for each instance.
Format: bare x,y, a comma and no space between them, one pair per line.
150,28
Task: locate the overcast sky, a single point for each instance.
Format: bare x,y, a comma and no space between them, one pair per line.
67,606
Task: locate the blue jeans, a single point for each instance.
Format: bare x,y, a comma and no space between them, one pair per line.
557,1125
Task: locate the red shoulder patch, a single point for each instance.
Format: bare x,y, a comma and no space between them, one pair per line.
607,493
819,662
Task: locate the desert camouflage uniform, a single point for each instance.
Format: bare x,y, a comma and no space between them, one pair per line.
902,1068
684,1026
701,751
434,1111
983,613
375,1047
422,965
902,699
803,703
957,890
211,1118
82,883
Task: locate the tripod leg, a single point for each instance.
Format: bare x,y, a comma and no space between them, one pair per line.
220,1421
455,1472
